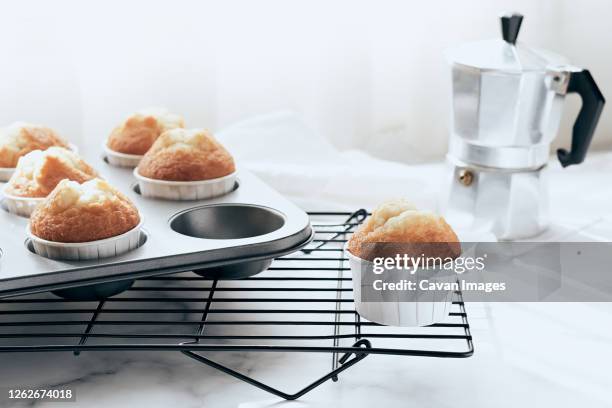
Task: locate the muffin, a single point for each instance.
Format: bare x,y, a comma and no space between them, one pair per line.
38,172
138,132
382,213
398,228
21,138
186,164
91,211
398,221
186,155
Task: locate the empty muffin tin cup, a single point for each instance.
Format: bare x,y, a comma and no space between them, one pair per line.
185,190
392,308
22,206
88,251
229,221
7,172
121,159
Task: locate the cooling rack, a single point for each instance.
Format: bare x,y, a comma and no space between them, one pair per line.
301,304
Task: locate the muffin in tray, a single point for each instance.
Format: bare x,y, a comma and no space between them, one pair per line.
186,164
398,228
135,136
21,138
37,174
84,221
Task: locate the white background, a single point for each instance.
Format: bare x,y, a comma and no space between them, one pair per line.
368,75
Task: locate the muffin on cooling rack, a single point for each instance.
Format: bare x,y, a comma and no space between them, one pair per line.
21,138
135,136
398,228
84,221
186,164
398,221
37,174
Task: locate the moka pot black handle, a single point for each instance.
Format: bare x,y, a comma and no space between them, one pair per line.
582,83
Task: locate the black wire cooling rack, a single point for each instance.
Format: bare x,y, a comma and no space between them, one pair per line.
302,303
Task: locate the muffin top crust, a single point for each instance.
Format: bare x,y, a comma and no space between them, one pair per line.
398,221
38,172
186,155
84,212
138,132
20,138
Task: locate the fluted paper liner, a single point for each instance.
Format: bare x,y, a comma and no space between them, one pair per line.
185,190
87,251
423,308
23,206
121,159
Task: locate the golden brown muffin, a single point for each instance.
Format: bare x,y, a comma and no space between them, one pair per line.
186,155
417,233
38,172
21,138
138,133
85,212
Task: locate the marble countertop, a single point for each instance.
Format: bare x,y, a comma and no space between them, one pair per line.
526,355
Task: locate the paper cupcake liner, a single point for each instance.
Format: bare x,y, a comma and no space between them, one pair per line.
185,190
7,172
87,251
22,206
387,309
121,159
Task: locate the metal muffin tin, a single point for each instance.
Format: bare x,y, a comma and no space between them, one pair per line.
231,236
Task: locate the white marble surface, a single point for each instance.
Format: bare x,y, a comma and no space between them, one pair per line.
526,355
548,355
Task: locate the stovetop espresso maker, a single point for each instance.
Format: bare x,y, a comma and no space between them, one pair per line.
507,102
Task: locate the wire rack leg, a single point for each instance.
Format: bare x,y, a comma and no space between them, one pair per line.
337,318
211,293
89,327
345,363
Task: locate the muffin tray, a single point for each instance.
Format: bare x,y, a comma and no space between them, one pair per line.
232,236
